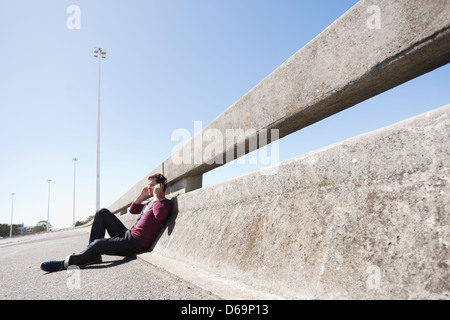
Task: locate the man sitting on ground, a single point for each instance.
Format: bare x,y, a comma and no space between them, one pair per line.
123,242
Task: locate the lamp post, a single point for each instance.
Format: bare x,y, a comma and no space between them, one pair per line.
48,207
74,171
100,53
12,210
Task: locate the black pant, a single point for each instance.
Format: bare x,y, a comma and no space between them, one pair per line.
121,243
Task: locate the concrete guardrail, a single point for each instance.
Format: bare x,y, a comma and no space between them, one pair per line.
366,218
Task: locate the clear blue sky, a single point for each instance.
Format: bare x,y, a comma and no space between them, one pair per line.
169,63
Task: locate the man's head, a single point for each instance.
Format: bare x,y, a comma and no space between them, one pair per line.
158,178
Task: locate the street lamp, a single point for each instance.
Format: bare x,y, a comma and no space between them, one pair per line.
48,210
100,53
74,170
12,210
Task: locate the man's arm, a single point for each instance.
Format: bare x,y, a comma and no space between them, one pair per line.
136,206
145,193
161,209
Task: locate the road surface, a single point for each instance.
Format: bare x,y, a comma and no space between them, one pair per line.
115,278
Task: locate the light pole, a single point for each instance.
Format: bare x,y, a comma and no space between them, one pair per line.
74,170
100,53
12,210
48,210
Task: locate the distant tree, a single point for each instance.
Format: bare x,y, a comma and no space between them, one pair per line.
80,223
5,229
42,226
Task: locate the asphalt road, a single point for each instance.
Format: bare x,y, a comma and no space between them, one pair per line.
115,278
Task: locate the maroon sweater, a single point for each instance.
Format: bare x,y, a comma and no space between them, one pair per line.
153,216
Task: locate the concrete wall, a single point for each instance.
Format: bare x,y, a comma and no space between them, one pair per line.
364,218
348,62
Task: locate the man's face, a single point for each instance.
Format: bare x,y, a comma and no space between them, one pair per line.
151,184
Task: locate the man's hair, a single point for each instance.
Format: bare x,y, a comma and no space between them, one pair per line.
159,179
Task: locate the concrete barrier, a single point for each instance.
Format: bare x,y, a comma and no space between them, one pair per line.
350,61
366,218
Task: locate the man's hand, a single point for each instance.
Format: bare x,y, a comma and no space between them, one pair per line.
145,193
152,189
158,192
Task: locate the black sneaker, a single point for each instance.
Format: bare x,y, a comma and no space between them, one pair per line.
52,265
